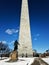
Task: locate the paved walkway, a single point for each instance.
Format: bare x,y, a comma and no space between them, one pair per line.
38,61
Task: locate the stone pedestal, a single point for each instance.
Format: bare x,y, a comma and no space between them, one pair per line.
14,56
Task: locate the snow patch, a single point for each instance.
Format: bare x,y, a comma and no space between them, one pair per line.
46,60
21,61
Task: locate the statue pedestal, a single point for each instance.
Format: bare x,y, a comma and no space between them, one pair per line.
14,56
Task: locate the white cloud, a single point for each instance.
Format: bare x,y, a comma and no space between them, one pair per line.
12,42
35,39
0,41
8,31
37,35
17,31
11,31
3,42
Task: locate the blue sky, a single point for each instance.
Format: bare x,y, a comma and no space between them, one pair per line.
10,11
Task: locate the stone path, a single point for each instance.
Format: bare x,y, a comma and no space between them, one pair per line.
38,61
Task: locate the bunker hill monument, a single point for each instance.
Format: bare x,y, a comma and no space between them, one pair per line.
25,47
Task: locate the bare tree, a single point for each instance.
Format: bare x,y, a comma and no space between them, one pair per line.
4,49
47,51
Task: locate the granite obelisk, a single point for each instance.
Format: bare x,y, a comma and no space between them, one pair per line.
25,47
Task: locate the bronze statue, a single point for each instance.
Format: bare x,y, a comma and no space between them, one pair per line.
16,45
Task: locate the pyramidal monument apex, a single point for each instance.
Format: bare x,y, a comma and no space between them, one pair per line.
25,47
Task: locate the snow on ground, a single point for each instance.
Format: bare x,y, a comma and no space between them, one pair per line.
21,61
46,60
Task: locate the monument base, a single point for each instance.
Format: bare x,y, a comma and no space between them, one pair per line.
14,56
